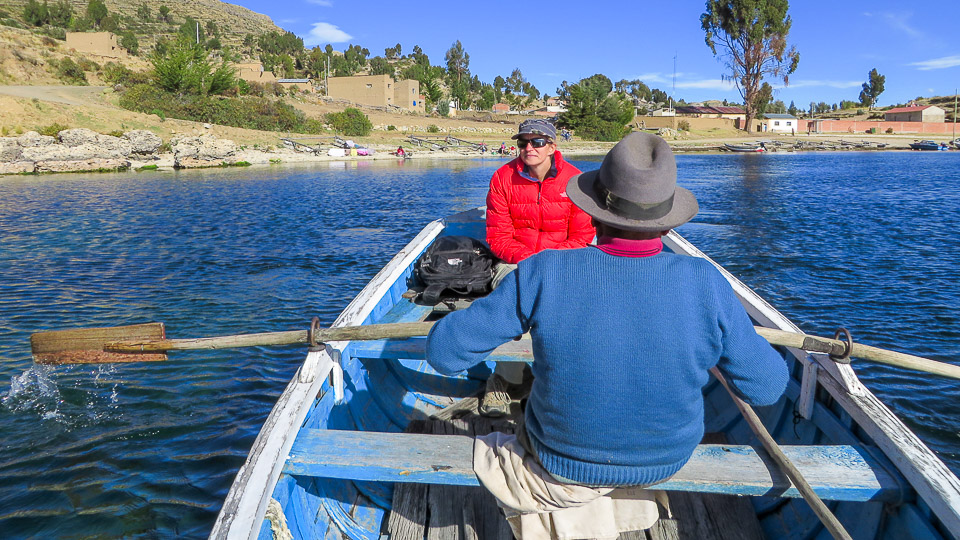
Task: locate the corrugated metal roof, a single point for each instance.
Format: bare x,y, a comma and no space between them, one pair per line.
694,109
908,109
779,116
730,110
293,80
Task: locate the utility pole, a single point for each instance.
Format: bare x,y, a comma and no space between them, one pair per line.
674,91
198,32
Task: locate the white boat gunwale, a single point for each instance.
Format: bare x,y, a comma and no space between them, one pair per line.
246,503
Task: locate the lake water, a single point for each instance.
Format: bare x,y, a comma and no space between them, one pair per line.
862,240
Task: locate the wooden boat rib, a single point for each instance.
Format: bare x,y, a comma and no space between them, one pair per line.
327,470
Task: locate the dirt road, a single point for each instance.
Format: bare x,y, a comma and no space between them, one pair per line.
67,95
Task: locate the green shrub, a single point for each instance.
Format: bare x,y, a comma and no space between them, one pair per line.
432,128
165,148
88,65
350,122
116,133
889,131
245,112
69,72
147,168
683,125
391,128
52,130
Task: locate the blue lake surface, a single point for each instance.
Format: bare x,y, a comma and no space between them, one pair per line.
862,240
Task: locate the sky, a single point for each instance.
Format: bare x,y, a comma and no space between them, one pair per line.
661,43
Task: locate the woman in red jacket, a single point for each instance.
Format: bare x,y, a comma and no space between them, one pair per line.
527,206
528,211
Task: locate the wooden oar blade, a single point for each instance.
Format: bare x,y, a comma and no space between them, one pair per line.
85,345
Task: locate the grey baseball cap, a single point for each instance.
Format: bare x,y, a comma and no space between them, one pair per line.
537,127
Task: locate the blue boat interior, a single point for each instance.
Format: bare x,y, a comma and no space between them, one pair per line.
338,482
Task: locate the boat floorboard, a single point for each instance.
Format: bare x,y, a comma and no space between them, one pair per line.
446,512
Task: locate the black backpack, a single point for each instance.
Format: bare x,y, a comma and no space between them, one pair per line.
458,264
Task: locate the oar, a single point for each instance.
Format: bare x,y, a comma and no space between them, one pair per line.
147,342
829,520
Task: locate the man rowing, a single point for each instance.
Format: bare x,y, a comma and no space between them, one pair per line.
623,333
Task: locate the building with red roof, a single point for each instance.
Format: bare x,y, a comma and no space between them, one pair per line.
926,113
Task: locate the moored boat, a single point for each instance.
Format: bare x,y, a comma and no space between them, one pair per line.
747,147
927,145
328,469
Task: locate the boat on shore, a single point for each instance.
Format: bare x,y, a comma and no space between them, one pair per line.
745,147
385,451
927,145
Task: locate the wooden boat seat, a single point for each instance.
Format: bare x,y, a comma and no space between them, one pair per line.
836,472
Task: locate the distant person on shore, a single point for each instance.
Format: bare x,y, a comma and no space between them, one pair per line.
528,211
400,152
503,148
624,335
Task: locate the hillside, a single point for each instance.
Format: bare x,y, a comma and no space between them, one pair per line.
234,22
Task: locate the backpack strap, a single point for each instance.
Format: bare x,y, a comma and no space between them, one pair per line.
431,295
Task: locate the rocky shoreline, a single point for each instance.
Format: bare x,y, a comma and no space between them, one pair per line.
85,150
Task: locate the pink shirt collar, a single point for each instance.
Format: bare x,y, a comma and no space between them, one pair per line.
629,248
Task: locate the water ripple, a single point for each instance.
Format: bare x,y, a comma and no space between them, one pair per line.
150,450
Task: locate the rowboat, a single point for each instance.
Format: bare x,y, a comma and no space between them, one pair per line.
927,145
757,147
385,449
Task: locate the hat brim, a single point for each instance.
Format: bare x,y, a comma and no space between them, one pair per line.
535,136
581,192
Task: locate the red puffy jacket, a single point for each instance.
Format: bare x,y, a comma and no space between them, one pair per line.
525,217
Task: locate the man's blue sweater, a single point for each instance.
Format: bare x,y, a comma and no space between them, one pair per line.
621,351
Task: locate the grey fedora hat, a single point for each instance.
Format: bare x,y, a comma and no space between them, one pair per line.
635,188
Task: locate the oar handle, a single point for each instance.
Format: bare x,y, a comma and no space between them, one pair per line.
293,337
829,520
837,347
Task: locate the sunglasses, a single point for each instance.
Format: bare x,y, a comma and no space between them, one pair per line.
539,142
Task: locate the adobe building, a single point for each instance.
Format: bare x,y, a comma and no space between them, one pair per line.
500,108
928,113
254,72
303,85
96,43
378,91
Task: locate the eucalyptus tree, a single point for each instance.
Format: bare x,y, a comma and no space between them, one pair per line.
752,35
458,62
872,88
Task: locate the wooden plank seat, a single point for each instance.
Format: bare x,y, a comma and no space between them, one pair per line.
836,472
415,349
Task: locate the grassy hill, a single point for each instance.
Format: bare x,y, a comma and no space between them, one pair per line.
234,22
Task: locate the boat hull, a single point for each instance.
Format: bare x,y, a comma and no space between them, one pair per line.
385,392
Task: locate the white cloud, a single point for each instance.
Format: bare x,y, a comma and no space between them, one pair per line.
709,84
323,32
808,83
937,63
324,3
652,78
898,21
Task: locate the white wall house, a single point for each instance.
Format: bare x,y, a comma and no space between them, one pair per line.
780,123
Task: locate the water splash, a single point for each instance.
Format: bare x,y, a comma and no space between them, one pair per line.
87,399
34,390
